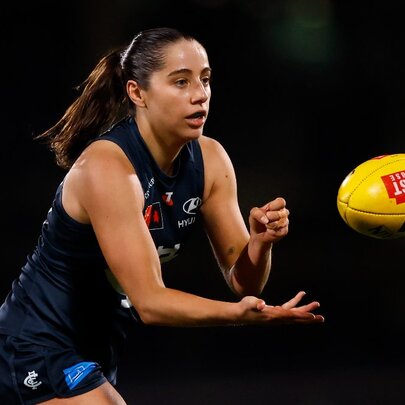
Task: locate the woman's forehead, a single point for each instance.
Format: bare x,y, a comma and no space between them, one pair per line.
185,54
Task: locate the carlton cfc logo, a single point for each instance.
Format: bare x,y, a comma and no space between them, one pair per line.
31,380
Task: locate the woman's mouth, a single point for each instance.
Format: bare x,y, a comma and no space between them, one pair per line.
197,119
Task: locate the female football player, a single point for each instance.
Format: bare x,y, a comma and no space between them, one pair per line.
140,175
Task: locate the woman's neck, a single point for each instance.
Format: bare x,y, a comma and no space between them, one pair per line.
163,152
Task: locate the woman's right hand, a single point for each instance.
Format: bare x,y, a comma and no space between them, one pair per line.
255,311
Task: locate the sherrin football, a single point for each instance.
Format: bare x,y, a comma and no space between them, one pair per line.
371,198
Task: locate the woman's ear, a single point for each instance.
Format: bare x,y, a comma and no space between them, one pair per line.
135,93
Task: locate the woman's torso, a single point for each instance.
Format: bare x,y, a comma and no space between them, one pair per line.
63,296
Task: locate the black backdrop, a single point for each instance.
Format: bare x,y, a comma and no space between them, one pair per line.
303,91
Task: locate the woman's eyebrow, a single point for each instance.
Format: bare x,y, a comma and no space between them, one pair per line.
185,70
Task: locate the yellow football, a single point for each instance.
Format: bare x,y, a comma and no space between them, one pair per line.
371,198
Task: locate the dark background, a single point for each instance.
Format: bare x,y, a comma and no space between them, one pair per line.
303,92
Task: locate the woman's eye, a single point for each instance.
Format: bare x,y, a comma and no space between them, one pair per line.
181,82
206,80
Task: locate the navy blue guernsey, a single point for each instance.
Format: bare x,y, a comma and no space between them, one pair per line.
65,296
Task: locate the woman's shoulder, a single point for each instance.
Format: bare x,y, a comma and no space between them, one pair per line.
102,173
213,150
211,145
102,159
216,160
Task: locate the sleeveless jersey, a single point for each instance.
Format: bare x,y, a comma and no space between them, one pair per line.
65,296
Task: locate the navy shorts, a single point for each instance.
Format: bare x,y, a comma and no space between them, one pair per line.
30,373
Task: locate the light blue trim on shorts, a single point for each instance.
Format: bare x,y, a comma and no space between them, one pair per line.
76,373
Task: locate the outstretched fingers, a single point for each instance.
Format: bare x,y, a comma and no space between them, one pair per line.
279,315
298,315
309,318
303,313
308,307
294,301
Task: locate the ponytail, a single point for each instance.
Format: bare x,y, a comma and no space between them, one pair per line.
102,102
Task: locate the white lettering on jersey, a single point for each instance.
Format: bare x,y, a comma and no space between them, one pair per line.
185,222
151,182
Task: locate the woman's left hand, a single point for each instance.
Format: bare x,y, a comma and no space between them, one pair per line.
269,222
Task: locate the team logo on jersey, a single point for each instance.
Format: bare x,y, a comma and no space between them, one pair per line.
191,205
153,216
31,380
167,198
